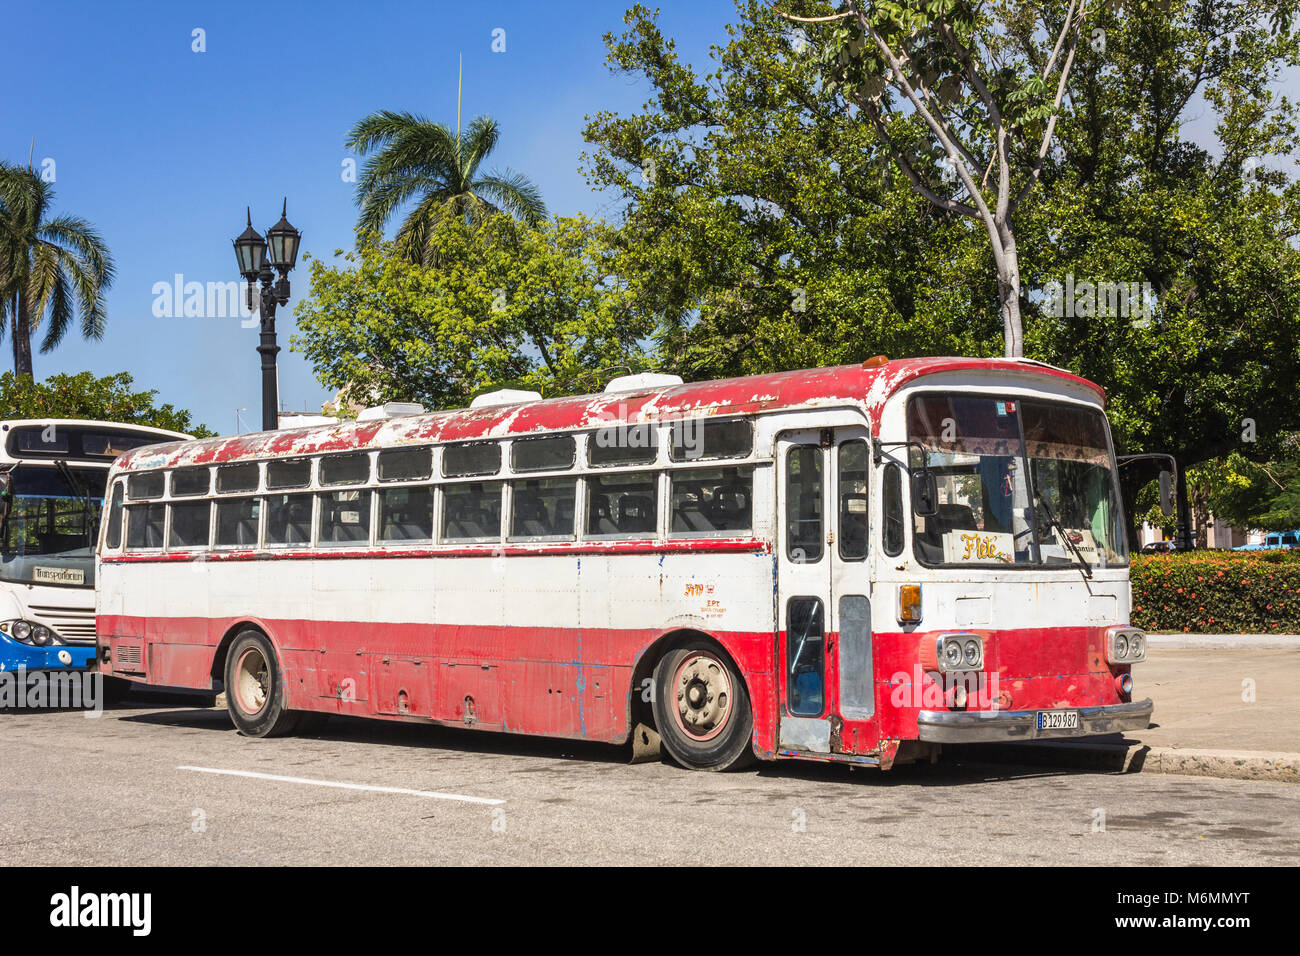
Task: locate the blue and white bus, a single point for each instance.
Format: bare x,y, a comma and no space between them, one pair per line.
52,479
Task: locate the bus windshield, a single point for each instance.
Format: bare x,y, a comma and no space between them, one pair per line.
47,535
1021,482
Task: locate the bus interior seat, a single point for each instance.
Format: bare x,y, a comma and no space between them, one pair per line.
600,521
635,514
730,508
688,514
530,519
950,517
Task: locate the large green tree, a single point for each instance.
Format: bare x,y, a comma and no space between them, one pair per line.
112,398
763,222
749,181
53,269
416,160
509,305
964,97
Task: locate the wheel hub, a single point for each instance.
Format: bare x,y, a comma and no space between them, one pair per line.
252,681
703,696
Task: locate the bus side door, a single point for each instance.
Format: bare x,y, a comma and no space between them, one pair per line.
823,591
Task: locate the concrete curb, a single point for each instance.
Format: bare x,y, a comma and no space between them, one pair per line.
1267,765
1215,642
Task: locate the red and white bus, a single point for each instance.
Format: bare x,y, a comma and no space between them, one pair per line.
852,564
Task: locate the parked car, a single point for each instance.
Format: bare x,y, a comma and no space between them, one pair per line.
1274,541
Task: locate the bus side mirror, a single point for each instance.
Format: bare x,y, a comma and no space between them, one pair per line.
925,494
6,494
1166,492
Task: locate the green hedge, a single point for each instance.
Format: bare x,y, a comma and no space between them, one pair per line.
1218,592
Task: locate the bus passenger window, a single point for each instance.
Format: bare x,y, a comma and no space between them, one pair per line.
405,464
234,478
697,439
623,445
190,481
288,519
471,512
145,485
622,505
406,514
237,522
344,518
853,500
190,521
472,458
144,525
552,453
295,473
353,469
804,655
113,539
893,506
543,508
712,501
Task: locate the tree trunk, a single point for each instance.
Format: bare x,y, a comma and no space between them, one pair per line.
1013,343
21,333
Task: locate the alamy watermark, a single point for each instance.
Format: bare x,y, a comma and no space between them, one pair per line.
52,690
1101,299
204,300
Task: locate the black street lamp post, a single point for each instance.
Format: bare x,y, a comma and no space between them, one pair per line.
257,256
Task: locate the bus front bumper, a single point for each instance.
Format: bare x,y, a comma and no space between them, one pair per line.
966,727
15,655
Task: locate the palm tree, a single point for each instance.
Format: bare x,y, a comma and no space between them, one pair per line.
416,158
51,267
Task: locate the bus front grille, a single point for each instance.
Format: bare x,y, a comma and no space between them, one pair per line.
74,625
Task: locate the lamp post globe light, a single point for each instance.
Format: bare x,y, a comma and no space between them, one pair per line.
257,256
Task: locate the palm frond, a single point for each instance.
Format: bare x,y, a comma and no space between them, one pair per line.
514,193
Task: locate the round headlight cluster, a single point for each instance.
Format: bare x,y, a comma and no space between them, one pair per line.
26,632
1128,646
952,653
959,652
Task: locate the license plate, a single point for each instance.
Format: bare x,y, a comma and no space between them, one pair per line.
1058,720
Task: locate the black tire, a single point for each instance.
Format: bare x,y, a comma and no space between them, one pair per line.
701,730
255,688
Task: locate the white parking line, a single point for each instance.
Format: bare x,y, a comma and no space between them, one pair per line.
433,794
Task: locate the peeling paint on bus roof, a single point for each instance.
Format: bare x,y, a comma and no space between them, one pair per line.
854,385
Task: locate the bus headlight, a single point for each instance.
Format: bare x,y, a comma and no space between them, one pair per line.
28,632
1125,645
960,652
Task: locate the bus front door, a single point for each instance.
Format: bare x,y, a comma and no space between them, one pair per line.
826,692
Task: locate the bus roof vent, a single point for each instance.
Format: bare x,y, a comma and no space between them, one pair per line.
389,410
642,381
505,396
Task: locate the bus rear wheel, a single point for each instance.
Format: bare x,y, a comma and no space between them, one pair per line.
701,708
255,688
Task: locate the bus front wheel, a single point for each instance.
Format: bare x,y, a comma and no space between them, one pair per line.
255,688
702,708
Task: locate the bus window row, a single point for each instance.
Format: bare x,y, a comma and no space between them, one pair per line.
624,505
624,445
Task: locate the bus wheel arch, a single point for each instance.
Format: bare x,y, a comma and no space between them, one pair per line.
720,697
254,684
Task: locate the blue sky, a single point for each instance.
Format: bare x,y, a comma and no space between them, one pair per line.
162,147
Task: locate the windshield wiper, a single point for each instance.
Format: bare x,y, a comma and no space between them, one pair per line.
1055,522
